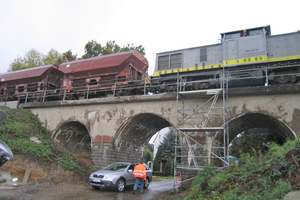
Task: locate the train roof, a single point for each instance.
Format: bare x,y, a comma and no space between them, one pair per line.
106,61
25,73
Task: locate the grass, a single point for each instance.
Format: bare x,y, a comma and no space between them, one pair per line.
19,125
252,179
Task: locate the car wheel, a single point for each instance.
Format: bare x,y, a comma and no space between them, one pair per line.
95,187
146,183
120,185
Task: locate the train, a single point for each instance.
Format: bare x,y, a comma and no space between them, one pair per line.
248,57
242,58
80,79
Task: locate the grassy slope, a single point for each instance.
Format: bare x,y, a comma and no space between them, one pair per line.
48,161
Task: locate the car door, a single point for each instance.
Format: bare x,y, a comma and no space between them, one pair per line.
130,177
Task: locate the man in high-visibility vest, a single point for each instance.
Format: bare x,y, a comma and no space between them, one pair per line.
140,175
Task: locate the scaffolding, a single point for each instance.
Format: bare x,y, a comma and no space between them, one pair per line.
194,124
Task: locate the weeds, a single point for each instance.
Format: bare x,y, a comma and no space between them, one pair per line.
252,179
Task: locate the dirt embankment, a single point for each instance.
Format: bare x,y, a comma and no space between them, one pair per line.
45,172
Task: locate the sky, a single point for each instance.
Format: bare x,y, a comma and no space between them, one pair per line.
157,25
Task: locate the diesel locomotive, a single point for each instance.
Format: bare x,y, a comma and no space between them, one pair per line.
248,57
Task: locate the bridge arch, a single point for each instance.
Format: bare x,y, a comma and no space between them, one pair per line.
73,135
252,120
134,134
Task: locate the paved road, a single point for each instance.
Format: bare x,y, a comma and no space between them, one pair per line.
81,192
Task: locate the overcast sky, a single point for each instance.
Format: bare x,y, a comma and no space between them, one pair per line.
157,25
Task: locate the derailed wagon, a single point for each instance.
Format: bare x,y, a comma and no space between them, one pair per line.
112,74
32,84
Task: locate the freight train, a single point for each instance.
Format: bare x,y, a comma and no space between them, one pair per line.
80,79
249,57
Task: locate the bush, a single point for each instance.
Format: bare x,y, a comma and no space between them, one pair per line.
252,179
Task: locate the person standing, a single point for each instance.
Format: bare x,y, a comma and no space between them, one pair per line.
140,175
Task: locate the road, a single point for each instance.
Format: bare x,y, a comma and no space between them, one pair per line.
82,192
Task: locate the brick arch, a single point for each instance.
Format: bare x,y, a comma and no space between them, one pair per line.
73,135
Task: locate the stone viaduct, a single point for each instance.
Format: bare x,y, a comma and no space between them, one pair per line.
119,128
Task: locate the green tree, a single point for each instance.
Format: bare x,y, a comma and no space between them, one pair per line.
31,59
166,150
52,57
254,139
129,47
168,144
158,156
92,49
110,47
148,156
67,56
169,170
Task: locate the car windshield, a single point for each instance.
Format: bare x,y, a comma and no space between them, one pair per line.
116,167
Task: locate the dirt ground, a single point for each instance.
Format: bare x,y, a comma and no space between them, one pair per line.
49,181
44,172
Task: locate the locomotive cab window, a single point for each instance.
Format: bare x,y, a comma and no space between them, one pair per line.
233,35
256,32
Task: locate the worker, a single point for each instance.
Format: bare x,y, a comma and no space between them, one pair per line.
140,175
244,33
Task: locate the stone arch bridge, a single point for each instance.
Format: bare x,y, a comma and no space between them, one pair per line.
119,128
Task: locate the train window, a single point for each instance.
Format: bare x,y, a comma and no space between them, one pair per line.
2,91
233,35
256,32
21,89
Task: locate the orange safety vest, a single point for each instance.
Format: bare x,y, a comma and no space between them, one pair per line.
140,171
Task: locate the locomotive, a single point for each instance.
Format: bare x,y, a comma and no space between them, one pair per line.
249,57
80,79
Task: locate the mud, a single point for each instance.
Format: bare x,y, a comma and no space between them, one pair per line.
37,191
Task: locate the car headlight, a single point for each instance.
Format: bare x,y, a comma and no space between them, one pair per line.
91,176
108,177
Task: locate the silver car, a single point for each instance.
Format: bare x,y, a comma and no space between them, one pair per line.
117,175
5,151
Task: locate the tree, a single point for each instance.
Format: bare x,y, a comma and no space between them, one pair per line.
17,64
52,57
158,157
92,49
169,169
31,59
168,144
148,156
67,56
110,47
166,150
129,47
253,139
